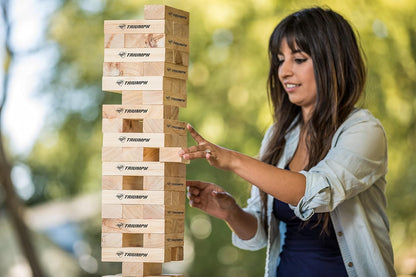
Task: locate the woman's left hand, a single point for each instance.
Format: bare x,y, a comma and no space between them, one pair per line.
217,156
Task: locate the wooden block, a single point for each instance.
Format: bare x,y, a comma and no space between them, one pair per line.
113,41
144,169
111,211
171,154
132,240
180,30
163,240
115,55
114,125
176,254
143,140
165,12
138,54
133,254
165,69
164,183
114,69
153,98
140,111
157,83
135,26
153,211
122,154
167,126
136,197
156,41
138,226
141,269
111,239
112,182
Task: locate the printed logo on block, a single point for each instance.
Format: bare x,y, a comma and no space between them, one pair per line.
120,254
119,225
122,26
119,110
119,196
120,167
122,54
122,139
120,82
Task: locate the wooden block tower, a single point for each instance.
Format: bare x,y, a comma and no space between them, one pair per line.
143,177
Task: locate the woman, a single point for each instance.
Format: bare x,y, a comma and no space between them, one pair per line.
317,200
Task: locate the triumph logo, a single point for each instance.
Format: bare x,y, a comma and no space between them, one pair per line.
122,26
120,82
122,139
120,196
119,225
120,254
120,167
119,110
122,54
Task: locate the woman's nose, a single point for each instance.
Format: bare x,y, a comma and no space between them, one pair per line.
285,69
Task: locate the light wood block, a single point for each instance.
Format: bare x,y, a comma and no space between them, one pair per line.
111,240
133,254
127,55
140,111
171,154
165,69
144,169
163,240
156,41
145,125
138,226
113,41
124,154
143,140
137,26
114,69
154,98
147,83
118,182
157,203
155,211
141,269
112,211
165,12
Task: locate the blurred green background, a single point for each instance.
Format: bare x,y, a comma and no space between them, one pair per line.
58,178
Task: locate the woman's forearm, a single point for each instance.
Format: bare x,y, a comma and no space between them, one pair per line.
242,223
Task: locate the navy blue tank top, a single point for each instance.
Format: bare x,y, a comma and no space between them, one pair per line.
307,251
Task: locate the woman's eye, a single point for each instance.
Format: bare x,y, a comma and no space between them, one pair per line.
299,61
279,62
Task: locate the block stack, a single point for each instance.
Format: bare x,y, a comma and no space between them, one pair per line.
143,177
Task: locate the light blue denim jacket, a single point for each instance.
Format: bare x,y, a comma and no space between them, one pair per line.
349,183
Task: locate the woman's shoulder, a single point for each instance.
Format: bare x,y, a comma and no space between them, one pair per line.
361,116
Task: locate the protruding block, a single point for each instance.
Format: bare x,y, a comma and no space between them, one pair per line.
154,98
115,52
171,154
165,12
163,240
118,182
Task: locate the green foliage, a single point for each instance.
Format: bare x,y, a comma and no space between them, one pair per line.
227,103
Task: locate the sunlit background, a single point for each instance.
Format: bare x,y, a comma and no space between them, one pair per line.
52,55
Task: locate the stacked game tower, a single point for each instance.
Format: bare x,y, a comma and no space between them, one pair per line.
143,177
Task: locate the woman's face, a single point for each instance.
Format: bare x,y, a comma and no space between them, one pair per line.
297,77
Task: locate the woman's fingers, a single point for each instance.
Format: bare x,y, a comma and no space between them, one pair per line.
195,134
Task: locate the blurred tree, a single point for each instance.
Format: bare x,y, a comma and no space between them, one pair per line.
227,103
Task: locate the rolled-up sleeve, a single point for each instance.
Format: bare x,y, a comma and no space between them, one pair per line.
356,160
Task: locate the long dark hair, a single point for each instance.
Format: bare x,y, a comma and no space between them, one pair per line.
340,75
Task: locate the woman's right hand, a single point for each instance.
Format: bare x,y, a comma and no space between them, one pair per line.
211,199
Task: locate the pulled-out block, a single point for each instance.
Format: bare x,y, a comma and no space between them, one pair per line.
118,182
154,98
139,226
171,154
146,83
143,140
140,111
144,169
155,12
